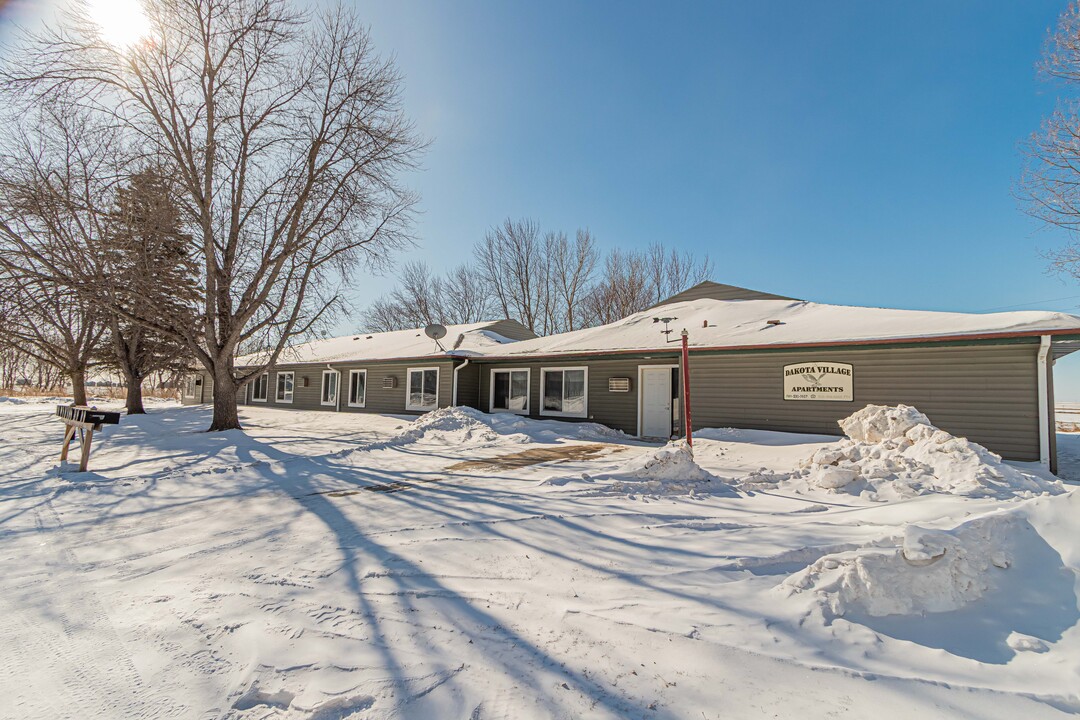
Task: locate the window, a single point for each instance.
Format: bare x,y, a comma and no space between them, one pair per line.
189,386
258,388
357,388
510,391
329,387
422,392
564,391
284,387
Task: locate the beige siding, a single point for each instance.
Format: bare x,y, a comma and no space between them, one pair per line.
204,392
379,399
469,386
617,410
988,393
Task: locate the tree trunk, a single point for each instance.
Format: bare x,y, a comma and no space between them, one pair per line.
134,394
78,385
225,392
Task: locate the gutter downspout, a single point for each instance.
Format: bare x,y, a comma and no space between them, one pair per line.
1042,370
456,371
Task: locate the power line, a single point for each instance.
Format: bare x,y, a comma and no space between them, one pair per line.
1037,302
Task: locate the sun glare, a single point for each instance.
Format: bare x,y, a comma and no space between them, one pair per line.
121,22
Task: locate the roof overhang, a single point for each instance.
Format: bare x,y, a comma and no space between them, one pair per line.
1065,336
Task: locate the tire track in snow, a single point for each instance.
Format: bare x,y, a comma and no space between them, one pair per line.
56,627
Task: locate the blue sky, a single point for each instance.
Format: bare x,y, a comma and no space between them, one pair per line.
858,153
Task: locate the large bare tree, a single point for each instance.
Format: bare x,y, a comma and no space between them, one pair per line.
53,325
1049,186
285,135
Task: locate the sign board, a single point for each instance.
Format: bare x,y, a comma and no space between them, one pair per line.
819,381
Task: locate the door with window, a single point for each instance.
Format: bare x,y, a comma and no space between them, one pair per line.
422,393
564,392
655,402
285,382
510,391
330,387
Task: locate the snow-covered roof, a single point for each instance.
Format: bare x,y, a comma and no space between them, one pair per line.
755,323
460,341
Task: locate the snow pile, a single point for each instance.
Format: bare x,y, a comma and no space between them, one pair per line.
550,430
876,423
895,453
667,470
451,426
924,571
461,425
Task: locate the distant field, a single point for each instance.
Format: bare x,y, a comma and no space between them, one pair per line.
1068,416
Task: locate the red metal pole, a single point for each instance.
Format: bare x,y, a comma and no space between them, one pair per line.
686,389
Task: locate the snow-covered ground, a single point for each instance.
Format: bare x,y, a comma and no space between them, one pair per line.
324,565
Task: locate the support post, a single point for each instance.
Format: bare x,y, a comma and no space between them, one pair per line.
687,424
1042,371
69,435
84,459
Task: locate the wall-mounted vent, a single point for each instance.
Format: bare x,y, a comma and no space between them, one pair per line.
618,384
307,380
389,382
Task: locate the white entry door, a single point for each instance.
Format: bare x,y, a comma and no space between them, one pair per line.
656,402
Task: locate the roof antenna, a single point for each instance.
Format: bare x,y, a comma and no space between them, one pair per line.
436,332
666,332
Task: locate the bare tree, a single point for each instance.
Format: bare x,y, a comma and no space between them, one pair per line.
285,135
624,288
511,259
571,268
1049,186
56,327
421,297
466,297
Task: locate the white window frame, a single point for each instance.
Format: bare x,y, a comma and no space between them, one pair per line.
562,413
266,388
408,389
322,389
348,396
528,390
189,386
277,386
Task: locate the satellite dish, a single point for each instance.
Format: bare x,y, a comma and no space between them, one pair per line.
435,331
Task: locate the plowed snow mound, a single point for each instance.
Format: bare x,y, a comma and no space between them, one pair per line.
924,571
667,470
895,453
875,423
451,426
465,425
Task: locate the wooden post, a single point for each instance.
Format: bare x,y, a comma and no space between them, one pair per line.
686,388
69,435
87,439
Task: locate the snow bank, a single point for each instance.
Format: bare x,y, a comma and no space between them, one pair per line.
667,470
875,423
34,400
460,425
923,571
450,426
895,453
